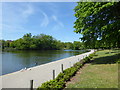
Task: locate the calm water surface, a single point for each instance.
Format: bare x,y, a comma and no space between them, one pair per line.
16,60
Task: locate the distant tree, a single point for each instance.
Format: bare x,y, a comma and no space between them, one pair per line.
69,45
2,43
78,45
5,44
27,40
45,41
40,42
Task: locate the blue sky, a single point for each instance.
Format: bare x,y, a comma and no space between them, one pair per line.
51,18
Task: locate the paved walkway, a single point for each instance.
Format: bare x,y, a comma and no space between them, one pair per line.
39,74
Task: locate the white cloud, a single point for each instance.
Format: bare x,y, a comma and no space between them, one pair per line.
28,11
14,17
15,28
19,14
57,21
45,20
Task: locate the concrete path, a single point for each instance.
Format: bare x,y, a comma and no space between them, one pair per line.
39,74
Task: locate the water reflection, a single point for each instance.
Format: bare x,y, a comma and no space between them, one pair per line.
16,60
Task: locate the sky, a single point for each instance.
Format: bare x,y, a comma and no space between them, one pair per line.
51,18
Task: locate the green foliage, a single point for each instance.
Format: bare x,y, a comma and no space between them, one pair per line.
59,82
99,23
5,44
69,73
61,75
78,65
91,56
52,84
76,45
39,42
86,59
69,45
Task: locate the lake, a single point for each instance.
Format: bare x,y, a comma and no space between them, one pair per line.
16,60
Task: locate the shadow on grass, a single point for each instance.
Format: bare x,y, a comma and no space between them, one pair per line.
110,52
106,60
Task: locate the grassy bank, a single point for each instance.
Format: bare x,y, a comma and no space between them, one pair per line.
102,72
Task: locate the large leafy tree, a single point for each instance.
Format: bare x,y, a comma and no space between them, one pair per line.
98,21
40,42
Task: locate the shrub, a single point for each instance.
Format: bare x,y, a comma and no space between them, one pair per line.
87,59
77,65
52,84
61,75
45,85
59,84
66,78
91,55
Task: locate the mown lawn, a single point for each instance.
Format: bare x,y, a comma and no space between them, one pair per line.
102,72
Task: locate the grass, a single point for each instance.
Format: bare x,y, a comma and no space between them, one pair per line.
102,72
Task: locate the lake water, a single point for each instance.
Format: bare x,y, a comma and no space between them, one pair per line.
16,60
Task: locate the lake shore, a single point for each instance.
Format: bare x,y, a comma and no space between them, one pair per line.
39,74
13,61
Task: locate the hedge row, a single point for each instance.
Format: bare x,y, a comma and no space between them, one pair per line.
60,80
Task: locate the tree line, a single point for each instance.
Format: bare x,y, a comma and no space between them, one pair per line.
40,42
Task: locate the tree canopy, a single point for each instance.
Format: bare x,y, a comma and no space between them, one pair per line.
39,42
99,23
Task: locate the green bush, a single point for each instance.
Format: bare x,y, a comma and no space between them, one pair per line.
91,55
52,84
66,78
70,71
87,59
47,84
61,75
77,65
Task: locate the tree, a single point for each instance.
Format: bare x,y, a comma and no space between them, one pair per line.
2,42
98,21
78,45
27,40
69,45
44,41
39,42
